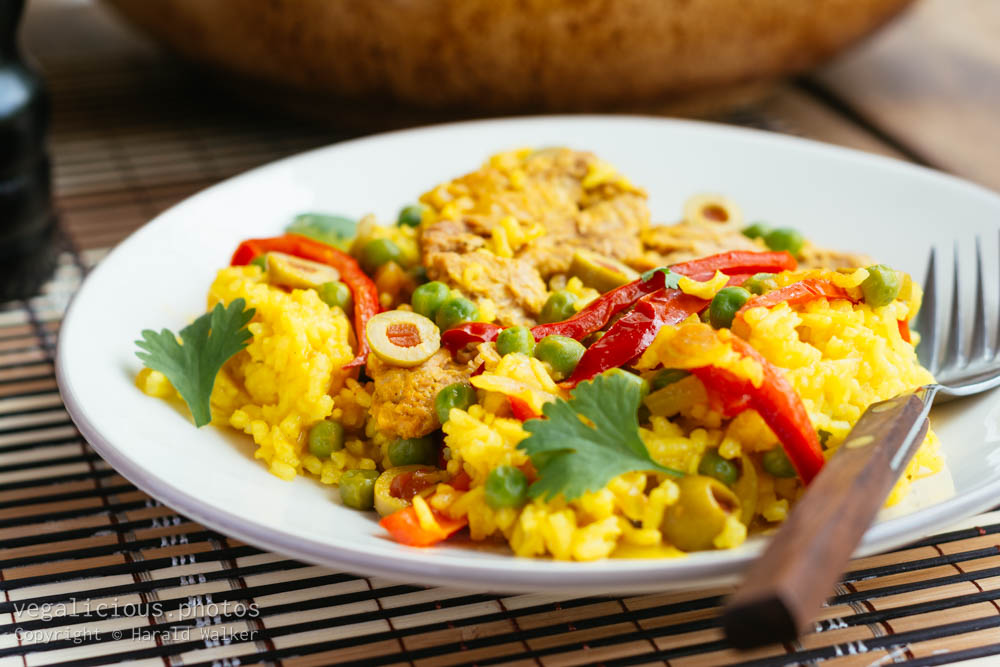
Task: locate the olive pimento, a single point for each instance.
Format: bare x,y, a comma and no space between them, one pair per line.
402,338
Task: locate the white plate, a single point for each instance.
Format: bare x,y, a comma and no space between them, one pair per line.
159,276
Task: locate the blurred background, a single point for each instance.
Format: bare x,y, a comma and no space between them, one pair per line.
153,100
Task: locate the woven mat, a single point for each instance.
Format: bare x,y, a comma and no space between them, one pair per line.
93,571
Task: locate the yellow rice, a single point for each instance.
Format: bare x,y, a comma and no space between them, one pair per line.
839,356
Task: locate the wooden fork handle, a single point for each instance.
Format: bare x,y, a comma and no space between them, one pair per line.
785,587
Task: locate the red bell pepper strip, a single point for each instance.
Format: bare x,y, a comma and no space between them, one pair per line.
775,401
740,265
599,312
521,410
405,528
590,319
737,279
631,335
366,304
456,338
736,261
904,330
796,293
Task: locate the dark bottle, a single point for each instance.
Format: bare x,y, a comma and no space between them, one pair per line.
27,222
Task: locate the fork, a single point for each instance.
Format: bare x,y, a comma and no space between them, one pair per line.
786,586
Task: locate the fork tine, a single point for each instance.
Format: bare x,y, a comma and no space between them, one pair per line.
954,356
979,346
928,323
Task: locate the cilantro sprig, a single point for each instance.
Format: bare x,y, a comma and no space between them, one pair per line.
206,344
588,440
670,279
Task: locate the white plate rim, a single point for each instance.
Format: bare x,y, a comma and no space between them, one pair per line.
451,571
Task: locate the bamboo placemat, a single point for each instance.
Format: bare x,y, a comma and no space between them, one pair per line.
93,571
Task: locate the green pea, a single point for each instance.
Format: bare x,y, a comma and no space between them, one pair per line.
458,395
261,261
724,305
784,238
592,338
325,438
455,311
713,465
336,293
558,307
377,252
667,376
427,298
506,486
758,283
756,230
357,488
413,451
776,462
881,286
561,353
631,377
516,339
411,215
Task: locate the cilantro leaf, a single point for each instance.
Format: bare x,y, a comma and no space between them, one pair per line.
206,344
670,279
573,457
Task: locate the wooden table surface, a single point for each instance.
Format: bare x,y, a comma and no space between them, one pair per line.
135,132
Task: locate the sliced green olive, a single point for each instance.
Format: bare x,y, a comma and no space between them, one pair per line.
699,515
291,271
357,488
600,272
402,338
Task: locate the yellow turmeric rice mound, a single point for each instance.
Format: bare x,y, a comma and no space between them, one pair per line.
495,248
